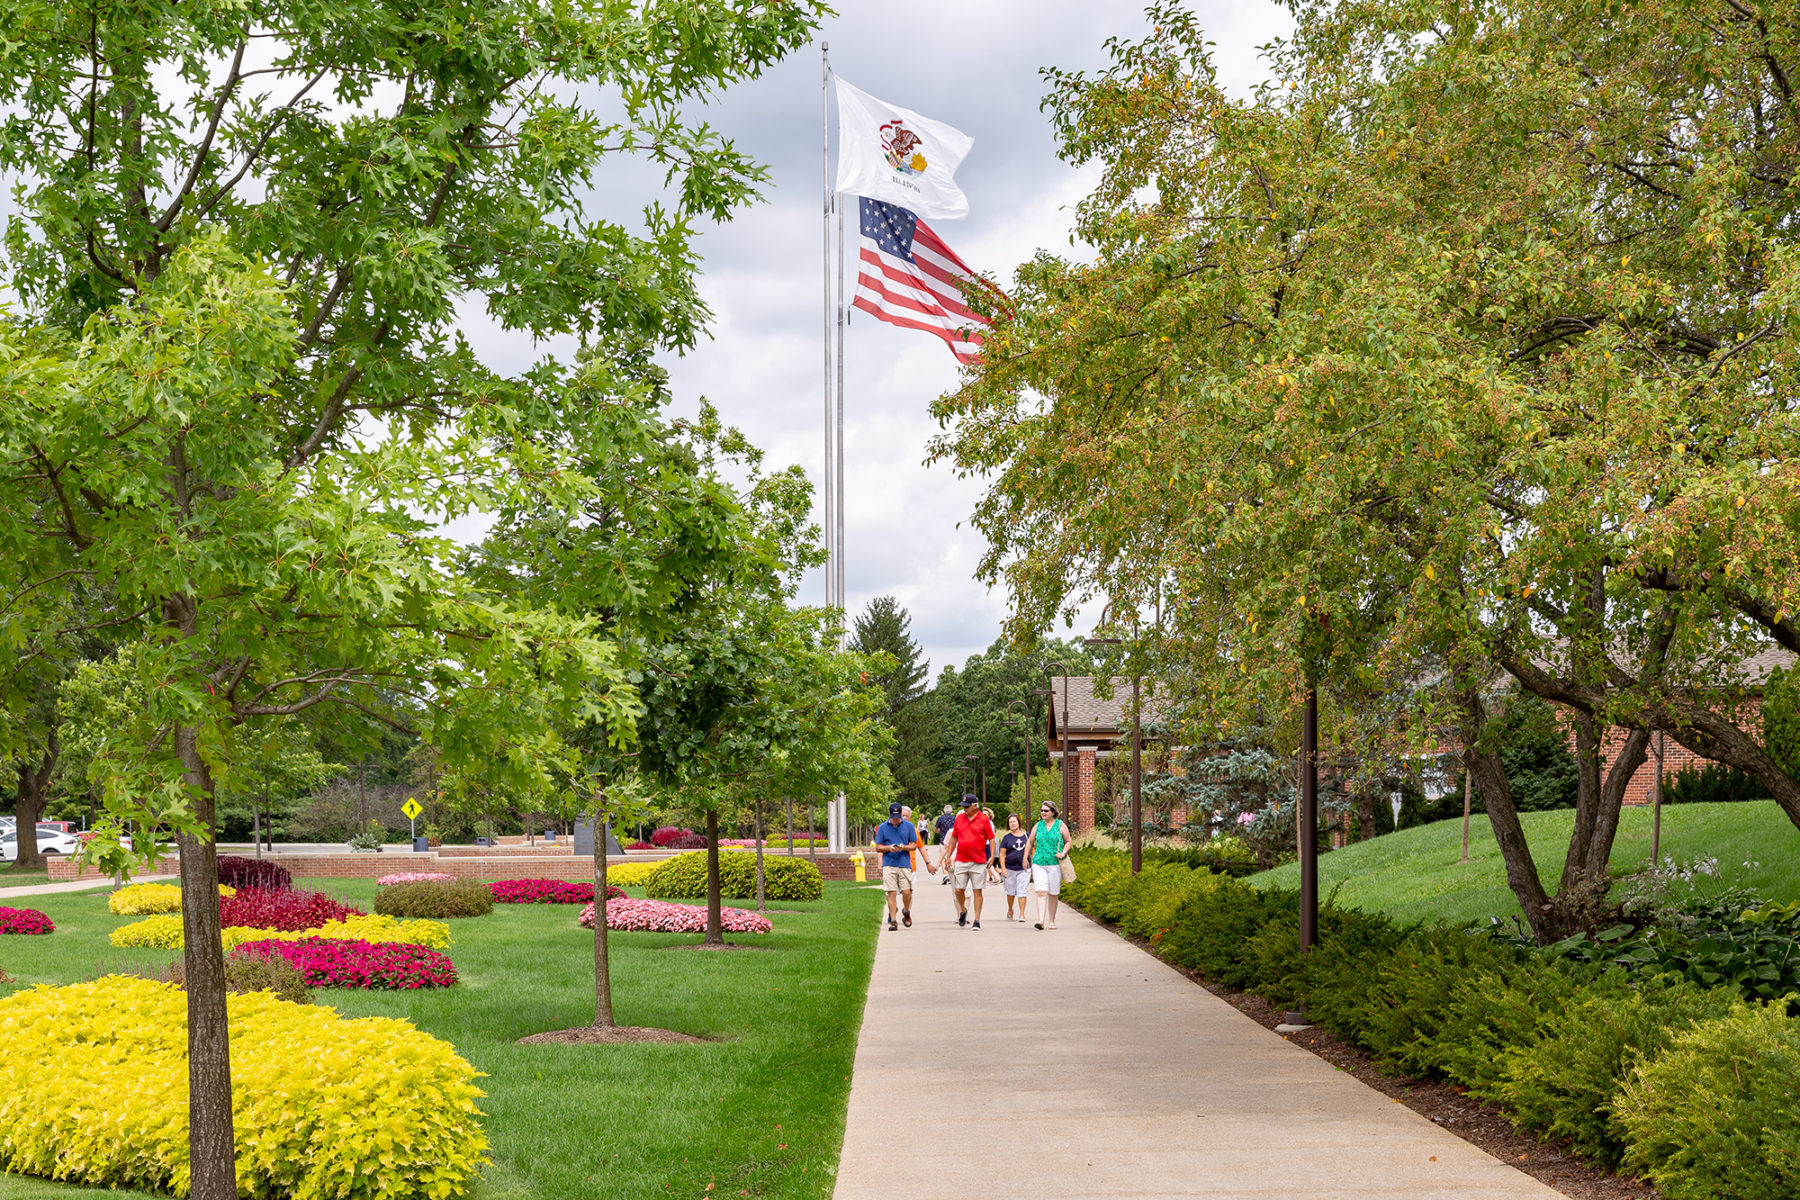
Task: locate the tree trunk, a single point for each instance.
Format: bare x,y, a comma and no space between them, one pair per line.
715,920
1366,828
1489,773
603,1006
256,828
210,1149
756,831
34,782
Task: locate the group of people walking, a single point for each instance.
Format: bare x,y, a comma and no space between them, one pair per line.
972,854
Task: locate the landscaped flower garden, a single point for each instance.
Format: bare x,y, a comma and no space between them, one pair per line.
770,1119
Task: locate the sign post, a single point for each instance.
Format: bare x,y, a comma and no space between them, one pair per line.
412,810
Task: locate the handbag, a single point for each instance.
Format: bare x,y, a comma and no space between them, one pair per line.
1066,863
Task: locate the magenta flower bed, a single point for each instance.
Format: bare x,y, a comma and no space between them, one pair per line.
641,846
669,833
336,963
546,891
660,916
258,908
25,920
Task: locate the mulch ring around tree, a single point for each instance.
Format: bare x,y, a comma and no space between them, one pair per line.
607,1035
716,946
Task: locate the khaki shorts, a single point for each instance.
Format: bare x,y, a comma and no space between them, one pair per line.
896,879
968,877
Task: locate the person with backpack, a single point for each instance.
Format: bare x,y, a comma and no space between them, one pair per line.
1046,849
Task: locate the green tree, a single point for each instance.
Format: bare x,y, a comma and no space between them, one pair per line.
885,628
243,404
1453,349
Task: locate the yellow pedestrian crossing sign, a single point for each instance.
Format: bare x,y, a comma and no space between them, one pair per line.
411,809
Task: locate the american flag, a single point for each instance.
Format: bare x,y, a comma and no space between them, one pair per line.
908,277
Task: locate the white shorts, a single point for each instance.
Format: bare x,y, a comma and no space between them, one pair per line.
1017,883
1046,879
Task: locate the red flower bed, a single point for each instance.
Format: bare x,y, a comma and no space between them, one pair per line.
333,962
546,891
260,908
25,920
668,833
659,916
239,872
641,846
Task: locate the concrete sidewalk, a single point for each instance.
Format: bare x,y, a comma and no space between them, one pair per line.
1067,1063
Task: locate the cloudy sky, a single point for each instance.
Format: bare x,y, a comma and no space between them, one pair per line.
973,64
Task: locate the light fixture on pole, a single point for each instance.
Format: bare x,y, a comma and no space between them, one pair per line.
1023,724
1051,671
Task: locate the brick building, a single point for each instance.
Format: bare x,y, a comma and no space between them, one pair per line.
1091,729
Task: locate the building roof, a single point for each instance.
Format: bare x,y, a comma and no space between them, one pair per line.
1090,714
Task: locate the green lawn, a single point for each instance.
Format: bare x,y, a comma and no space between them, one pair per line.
758,1112
11,876
1415,875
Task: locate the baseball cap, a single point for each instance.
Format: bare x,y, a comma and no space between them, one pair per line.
893,810
968,800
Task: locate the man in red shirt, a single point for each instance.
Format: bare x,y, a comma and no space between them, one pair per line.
973,839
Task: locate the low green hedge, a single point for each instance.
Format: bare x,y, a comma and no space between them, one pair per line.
442,898
684,877
1691,1086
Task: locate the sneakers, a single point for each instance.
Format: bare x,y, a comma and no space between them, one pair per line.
906,917
892,926
945,881
978,925
962,918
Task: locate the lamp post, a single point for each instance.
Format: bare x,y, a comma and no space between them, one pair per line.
981,750
1023,724
1051,671
1309,822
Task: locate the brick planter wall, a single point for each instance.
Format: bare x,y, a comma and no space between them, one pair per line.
65,870
506,864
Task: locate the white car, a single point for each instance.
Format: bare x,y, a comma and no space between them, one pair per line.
50,841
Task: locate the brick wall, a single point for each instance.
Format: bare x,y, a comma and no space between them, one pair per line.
1082,819
499,866
65,870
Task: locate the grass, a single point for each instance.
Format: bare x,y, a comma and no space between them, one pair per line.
1415,875
11,876
759,1111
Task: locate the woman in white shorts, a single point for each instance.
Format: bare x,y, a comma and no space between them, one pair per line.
1045,849
1013,863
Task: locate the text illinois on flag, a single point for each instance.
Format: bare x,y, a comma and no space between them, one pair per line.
908,277
894,154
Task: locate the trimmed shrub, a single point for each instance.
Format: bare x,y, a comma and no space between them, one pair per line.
687,841
244,975
1564,1085
458,898
1713,1117
111,1055
25,920
260,908
241,872
370,966
634,874
659,916
143,898
413,877
668,833
684,877
547,891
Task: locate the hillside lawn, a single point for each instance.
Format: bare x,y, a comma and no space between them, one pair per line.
1415,875
758,1111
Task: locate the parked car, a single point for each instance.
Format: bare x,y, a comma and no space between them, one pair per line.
50,841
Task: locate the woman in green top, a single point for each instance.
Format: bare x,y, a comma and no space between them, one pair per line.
1045,850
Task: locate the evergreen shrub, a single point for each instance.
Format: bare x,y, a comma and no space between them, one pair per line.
684,877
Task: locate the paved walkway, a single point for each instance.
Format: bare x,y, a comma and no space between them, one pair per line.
1066,1064
74,885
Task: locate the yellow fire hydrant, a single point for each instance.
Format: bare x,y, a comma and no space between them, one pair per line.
856,860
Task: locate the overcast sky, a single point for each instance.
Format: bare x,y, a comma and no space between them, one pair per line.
973,64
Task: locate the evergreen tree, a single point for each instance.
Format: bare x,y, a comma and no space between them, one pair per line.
885,628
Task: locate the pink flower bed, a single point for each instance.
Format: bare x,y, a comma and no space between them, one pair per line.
660,916
332,962
414,877
669,833
546,891
25,920
257,908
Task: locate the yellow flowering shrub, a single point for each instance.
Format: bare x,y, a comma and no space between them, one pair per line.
93,1090
139,898
164,932
632,874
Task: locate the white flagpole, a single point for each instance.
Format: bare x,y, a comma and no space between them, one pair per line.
826,493
838,467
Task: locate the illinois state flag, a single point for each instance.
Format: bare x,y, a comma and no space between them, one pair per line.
908,277
894,154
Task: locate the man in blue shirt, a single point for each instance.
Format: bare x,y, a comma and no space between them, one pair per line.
897,839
